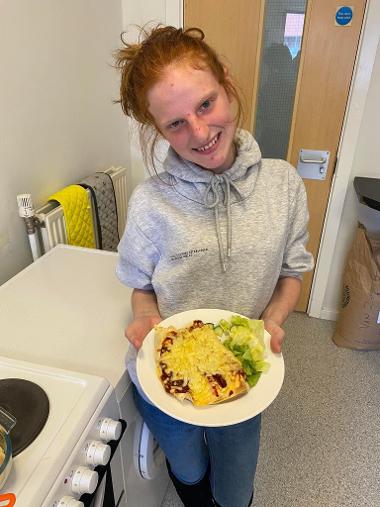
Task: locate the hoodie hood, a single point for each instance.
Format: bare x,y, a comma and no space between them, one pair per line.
218,191
191,180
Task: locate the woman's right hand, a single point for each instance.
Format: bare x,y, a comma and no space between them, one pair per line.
137,330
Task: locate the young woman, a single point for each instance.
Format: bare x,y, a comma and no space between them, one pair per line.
219,228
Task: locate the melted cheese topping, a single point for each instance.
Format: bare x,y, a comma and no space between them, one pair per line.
198,360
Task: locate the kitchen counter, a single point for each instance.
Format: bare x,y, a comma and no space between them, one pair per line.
68,310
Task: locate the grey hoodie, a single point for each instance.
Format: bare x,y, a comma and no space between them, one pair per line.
202,240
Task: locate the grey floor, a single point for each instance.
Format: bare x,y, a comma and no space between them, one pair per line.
320,441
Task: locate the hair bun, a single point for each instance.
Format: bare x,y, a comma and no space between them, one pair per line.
194,32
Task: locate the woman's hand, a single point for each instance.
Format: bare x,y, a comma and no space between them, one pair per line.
146,316
139,328
280,306
277,335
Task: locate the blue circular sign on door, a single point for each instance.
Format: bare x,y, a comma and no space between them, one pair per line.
343,16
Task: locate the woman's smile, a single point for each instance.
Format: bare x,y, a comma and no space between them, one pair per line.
209,147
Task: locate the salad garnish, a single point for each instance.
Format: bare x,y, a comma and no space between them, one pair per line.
245,339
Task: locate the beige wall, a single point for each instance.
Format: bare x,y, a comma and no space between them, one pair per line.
57,121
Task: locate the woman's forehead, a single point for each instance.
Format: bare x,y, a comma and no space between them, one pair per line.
181,86
183,76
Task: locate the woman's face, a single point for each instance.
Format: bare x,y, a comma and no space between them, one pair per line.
193,112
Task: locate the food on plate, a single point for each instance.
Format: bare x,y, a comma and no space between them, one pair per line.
245,339
193,364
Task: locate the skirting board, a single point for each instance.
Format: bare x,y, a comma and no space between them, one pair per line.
329,314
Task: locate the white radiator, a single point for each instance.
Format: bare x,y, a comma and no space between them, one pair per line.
52,220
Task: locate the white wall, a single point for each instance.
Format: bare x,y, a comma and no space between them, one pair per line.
135,15
57,122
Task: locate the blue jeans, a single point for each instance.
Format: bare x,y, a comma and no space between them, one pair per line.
231,451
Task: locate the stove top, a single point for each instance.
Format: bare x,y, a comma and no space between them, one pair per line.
29,405
72,398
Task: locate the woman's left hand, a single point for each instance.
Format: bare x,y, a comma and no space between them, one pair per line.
277,335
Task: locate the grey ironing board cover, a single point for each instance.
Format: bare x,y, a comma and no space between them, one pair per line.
103,194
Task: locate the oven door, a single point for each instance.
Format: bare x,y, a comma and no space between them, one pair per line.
110,490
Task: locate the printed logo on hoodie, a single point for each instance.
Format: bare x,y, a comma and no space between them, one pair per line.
188,253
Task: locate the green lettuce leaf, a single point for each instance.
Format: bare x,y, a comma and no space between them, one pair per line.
245,339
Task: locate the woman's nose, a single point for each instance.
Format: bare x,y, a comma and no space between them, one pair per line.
199,130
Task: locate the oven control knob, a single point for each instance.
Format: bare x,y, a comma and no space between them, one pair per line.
69,501
109,429
97,453
84,481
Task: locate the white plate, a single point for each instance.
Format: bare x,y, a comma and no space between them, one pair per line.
254,402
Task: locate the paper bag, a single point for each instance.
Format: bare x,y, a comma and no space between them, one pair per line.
358,326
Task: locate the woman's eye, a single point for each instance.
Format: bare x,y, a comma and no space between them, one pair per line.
206,104
175,125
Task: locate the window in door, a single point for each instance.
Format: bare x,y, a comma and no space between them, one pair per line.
280,55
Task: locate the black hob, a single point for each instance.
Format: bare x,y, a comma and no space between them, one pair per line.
29,404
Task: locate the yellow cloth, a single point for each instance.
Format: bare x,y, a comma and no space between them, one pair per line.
78,217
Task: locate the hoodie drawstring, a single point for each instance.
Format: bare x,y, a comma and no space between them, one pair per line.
212,191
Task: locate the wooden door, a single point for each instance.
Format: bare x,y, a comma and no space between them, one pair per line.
325,65
226,24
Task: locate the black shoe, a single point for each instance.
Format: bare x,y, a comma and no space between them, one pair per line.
193,495
198,494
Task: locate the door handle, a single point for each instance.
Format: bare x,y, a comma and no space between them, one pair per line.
312,164
312,161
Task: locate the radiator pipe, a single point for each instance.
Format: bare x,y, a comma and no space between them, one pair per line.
26,211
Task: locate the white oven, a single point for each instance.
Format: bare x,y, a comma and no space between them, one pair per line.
85,452
67,424
61,322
